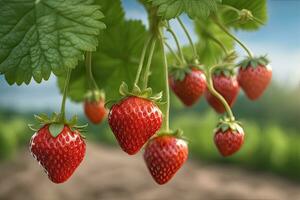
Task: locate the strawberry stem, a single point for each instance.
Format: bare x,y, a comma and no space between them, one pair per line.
218,42
173,53
189,37
216,94
166,126
228,7
147,70
65,92
233,37
138,74
177,43
88,65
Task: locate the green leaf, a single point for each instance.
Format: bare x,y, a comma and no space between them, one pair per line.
209,51
258,9
123,89
117,59
55,129
44,36
114,63
169,9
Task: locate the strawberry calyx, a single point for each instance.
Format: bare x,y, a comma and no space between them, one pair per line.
254,62
178,73
226,124
176,134
136,91
228,72
94,95
56,124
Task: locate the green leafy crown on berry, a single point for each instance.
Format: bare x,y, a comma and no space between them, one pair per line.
136,91
178,133
228,72
56,124
254,62
178,73
226,124
94,95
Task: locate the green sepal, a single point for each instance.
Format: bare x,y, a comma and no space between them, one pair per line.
80,128
228,72
55,122
136,91
94,95
55,129
177,134
254,62
226,124
178,73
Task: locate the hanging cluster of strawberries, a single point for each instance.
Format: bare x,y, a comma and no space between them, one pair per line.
137,120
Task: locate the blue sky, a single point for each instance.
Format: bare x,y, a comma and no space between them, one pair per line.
280,39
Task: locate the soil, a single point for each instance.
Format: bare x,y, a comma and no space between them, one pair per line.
109,174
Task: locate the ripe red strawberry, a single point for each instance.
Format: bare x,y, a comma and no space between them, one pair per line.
164,156
229,137
95,110
189,87
133,121
227,86
60,155
254,77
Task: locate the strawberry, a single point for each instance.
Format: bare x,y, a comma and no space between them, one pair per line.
164,155
254,76
60,155
226,84
229,137
133,121
95,111
94,106
188,84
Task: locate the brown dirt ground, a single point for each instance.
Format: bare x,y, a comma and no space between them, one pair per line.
109,174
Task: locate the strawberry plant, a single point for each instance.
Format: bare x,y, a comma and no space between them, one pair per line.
100,57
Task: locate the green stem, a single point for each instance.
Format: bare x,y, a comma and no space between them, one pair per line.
165,126
147,70
228,7
173,53
65,93
138,74
189,37
88,65
218,42
177,43
234,37
216,94
233,22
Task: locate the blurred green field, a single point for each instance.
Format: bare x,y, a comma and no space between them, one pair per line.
272,133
